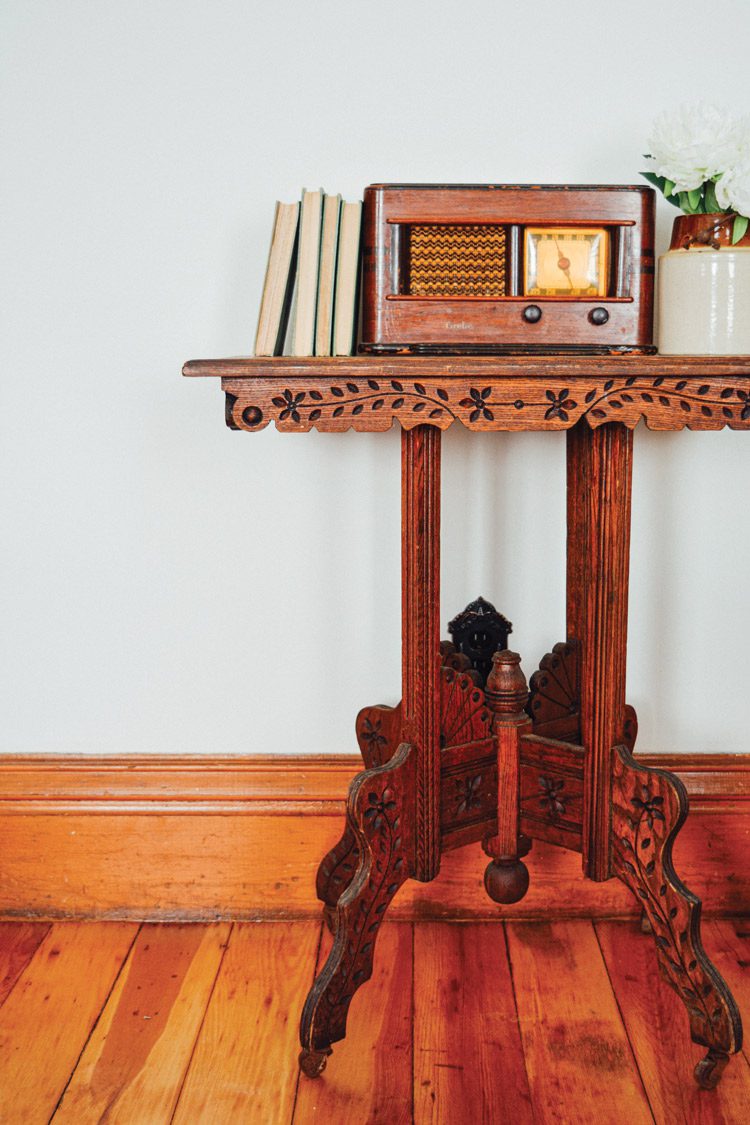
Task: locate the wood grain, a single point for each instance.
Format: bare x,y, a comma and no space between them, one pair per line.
45,1021
727,942
658,1031
468,1060
599,475
420,633
649,808
394,320
483,392
506,367
19,942
576,1049
464,1015
134,1062
164,838
264,975
369,1075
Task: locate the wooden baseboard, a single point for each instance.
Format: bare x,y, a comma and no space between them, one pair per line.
195,838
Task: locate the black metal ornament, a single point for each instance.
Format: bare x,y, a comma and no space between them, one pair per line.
478,632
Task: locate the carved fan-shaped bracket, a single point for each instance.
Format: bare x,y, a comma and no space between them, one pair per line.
450,657
378,732
464,714
649,806
553,694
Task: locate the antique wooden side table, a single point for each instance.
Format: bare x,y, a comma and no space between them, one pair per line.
468,757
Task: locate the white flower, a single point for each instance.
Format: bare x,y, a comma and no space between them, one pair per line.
695,143
733,189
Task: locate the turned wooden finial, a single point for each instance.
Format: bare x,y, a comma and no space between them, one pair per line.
507,692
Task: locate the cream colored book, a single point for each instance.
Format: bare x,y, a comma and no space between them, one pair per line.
329,240
279,280
347,280
308,263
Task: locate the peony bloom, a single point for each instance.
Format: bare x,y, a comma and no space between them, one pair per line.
695,143
733,189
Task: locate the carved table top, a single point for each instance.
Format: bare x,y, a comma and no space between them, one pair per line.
521,392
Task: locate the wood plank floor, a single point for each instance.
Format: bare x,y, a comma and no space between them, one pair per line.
461,1023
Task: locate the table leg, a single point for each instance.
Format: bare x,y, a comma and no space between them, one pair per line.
631,813
599,486
649,806
420,631
380,816
379,736
393,810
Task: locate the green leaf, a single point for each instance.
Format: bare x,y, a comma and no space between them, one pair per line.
661,183
739,227
711,202
668,187
688,207
694,197
657,181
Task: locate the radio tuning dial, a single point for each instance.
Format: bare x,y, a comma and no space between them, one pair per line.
532,314
598,316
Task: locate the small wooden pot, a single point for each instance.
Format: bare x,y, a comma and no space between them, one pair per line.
713,231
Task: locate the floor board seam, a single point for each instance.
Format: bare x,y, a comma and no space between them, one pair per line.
624,1023
198,1033
25,967
95,1024
509,959
318,948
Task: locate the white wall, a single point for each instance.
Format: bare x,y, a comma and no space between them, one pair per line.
169,585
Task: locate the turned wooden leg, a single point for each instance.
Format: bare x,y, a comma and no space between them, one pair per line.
649,807
506,879
381,816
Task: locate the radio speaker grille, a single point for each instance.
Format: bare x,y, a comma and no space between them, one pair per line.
456,261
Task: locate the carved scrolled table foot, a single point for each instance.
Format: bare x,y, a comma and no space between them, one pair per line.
380,816
649,806
710,1069
336,872
313,1063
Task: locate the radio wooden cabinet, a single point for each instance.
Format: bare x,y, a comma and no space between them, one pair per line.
503,267
473,754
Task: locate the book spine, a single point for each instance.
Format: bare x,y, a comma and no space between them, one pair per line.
327,278
308,265
261,332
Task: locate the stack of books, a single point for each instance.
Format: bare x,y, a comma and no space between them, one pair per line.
310,301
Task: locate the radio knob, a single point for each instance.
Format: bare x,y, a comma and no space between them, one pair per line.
532,313
599,316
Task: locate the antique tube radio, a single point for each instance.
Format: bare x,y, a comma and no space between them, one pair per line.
503,268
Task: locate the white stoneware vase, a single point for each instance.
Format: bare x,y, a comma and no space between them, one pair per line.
703,301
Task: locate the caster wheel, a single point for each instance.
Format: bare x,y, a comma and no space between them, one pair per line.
709,1070
313,1063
